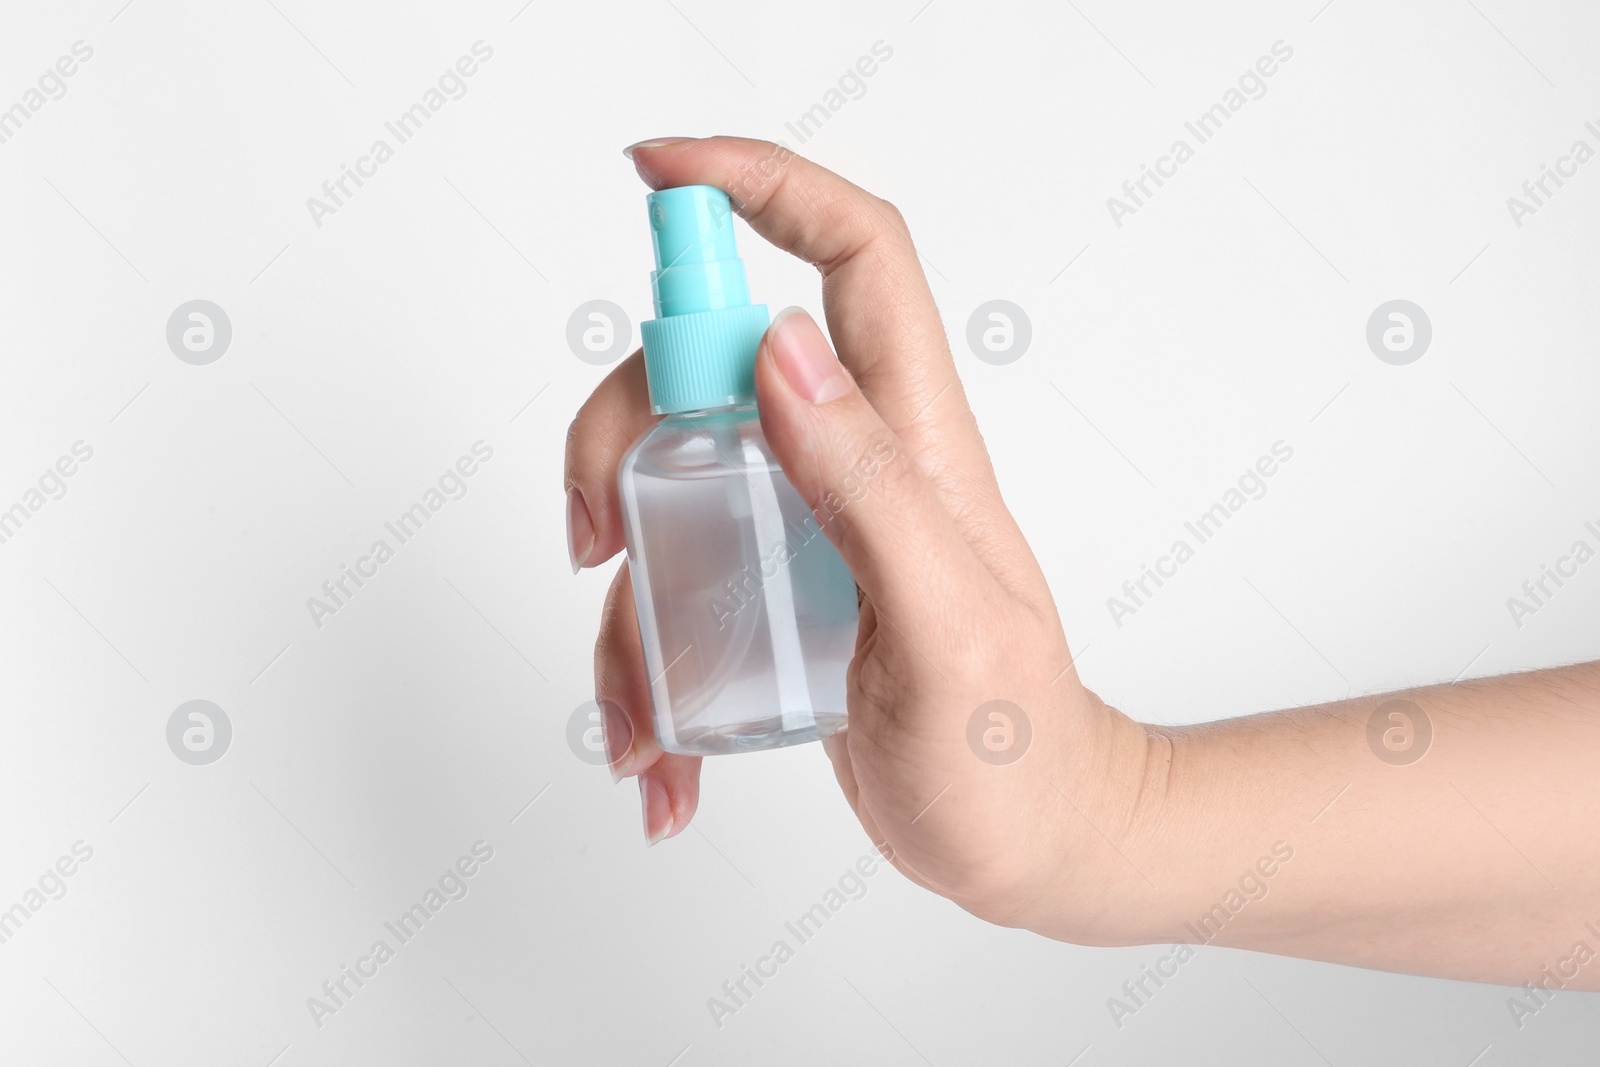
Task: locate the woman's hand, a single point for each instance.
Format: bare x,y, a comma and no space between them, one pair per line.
973,757
977,761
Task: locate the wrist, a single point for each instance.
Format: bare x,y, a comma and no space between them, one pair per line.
1108,880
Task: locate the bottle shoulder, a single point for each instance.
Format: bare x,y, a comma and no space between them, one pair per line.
700,446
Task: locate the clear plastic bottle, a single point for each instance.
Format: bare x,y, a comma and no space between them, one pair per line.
747,613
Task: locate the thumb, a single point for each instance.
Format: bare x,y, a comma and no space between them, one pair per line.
864,489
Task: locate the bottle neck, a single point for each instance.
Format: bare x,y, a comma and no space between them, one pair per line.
745,410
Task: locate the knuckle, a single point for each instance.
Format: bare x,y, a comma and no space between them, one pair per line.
892,216
756,181
574,451
612,641
866,464
592,438
763,189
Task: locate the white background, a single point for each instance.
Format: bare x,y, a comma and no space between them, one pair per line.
372,351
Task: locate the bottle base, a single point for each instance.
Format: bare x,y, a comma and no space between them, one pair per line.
751,736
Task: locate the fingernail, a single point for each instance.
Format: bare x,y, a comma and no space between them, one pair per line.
657,808
618,733
580,529
659,142
804,357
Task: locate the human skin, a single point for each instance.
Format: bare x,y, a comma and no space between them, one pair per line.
1476,861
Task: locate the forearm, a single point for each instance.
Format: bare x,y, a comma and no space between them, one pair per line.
1289,833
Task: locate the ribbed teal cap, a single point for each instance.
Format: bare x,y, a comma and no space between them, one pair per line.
700,349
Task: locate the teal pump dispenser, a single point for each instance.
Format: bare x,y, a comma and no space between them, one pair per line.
700,349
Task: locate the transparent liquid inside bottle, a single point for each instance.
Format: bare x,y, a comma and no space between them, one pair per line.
747,613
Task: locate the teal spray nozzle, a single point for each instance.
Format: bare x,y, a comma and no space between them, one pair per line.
700,349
